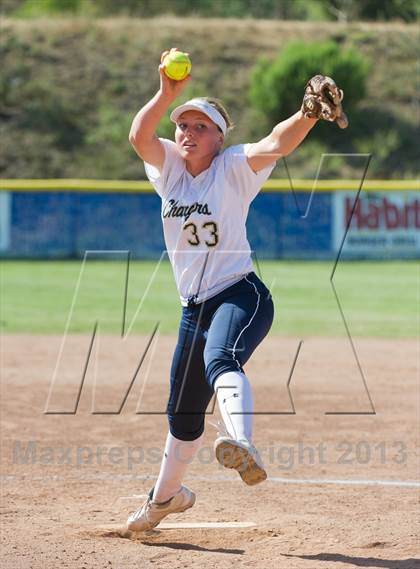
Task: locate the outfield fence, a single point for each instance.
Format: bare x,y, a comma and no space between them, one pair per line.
303,219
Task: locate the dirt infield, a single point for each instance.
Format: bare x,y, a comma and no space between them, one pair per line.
341,492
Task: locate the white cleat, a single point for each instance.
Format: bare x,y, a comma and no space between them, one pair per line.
152,513
243,457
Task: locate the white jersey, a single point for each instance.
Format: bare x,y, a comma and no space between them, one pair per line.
204,219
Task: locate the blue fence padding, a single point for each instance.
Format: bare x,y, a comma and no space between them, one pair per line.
263,227
66,224
306,234
42,224
119,221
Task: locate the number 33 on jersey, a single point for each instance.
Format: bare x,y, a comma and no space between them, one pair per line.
195,239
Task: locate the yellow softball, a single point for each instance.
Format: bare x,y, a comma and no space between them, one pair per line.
177,65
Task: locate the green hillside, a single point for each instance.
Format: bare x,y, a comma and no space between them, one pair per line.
70,87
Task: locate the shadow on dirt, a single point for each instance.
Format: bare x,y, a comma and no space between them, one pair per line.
191,547
412,563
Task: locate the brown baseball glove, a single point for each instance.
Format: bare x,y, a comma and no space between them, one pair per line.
322,100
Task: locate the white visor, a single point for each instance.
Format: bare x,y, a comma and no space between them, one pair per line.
203,107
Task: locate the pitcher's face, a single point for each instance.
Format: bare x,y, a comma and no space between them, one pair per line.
197,136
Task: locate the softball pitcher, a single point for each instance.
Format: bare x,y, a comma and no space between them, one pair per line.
227,310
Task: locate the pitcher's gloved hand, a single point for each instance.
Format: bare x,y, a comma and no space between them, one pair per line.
322,100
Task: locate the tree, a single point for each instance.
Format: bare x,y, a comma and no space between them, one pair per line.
346,10
277,87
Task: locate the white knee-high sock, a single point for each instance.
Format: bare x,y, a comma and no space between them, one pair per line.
236,404
176,458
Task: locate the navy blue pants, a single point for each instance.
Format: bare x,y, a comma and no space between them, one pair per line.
217,336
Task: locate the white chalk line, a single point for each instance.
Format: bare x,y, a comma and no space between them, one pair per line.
309,481
399,483
133,497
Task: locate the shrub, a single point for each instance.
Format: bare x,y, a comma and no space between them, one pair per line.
277,87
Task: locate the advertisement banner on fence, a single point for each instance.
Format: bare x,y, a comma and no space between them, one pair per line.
384,224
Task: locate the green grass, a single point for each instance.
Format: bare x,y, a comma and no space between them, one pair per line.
379,299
